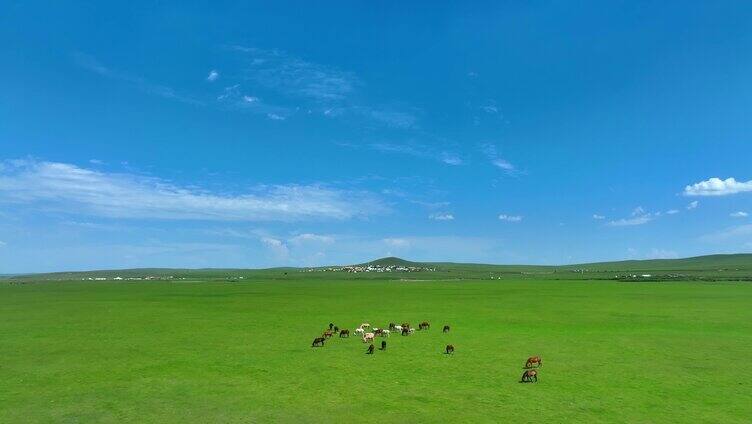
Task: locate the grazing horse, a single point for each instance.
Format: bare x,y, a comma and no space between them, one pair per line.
449,349
392,326
383,345
318,341
406,331
529,376
368,337
386,333
327,334
397,328
336,329
370,350
406,324
331,325
360,331
533,360
378,331
344,333
364,325
424,325
446,329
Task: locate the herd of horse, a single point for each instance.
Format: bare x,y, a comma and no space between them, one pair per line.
368,334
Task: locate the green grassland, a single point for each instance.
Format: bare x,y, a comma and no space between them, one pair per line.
208,350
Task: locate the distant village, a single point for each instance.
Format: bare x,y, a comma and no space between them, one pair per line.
372,268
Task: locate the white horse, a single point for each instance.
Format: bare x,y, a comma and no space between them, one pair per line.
359,331
368,337
385,333
411,330
398,328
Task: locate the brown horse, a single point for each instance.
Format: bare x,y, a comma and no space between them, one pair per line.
344,333
533,360
318,341
424,325
405,324
328,334
378,331
449,349
405,331
529,376
370,350
446,329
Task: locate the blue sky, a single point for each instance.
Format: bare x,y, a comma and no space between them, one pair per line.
253,135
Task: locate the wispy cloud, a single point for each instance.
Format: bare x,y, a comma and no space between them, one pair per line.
277,246
311,238
693,205
213,75
92,64
672,212
322,89
441,216
739,214
492,154
639,217
397,242
717,187
598,217
510,218
235,98
2,243
297,77
418,150
66,187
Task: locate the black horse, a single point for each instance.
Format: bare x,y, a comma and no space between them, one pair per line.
370,350
318,341
446,329
383,345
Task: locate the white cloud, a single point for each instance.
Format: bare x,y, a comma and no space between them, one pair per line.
739,214
275,117
397,242
417,150
66,187
693,205
661,254
250,99
213,75
451,159
310,237
672,212
717,187
91,64
278,247
630,221
639,216
503,164
2,243
497,161
599,217
441,216
510,218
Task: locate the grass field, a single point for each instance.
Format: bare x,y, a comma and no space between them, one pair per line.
240,352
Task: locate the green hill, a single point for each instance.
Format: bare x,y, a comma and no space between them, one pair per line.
711,267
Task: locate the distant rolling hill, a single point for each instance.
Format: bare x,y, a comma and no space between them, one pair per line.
711,267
